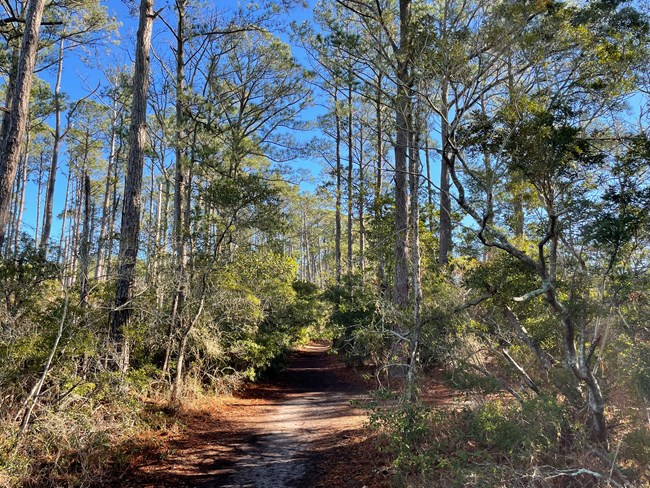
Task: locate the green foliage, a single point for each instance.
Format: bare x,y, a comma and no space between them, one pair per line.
358,319
636,446
407,429
24,279
534,426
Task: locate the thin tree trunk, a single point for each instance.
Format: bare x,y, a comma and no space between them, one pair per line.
61,256
414,170
185,334
39,195
130,226
180,182
337,209
379,180
445,197
76,227
51,182
12,143
427,160
103,228
362,225
21,202
350,199
85,247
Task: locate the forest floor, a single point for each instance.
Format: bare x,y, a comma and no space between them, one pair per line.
300,430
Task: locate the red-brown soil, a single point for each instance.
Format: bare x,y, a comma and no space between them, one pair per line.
297,431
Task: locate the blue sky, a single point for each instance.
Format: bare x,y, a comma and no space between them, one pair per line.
81,77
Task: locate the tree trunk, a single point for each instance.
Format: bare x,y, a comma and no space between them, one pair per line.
445,197
51,182
130,226
402,109
180,184
350,201
64,219
84,252
21,202
379,178
12,143
337,210
427,160
414,170
361,203
103,226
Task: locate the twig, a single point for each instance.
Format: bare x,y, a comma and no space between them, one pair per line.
36,390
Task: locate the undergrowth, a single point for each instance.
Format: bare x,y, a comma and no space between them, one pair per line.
501,443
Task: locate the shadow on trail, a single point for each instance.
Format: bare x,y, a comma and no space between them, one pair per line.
280,448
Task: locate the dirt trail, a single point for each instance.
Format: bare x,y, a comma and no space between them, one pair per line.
289,433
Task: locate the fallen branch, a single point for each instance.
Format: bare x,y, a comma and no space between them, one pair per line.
579,472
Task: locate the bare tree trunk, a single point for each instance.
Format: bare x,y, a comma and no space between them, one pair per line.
185,334
103,227
76,234
350,198
337,210
39,194
445,197
130,226
61,255
379,177
51,182
180,190
427,160
84,251
361,203
414,170
402,109
21,202
12,143
16,213
108,258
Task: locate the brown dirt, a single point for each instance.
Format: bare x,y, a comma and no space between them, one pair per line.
298,431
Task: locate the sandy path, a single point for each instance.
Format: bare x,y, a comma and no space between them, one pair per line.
292,432
288,435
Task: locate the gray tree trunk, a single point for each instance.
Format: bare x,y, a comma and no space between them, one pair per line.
130,225
337,210
350,199
21,201
445,197
402,109
51,182
103,226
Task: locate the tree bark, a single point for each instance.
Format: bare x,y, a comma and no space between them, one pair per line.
84,252
180,190
350,201
21,201
379,178
403,107
361,204
414,171
103,226
337,210
54,166
445,197
12,143
130,225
